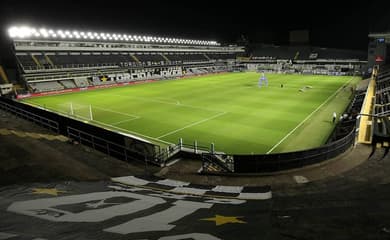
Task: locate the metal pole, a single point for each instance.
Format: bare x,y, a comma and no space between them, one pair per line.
90,112
71,109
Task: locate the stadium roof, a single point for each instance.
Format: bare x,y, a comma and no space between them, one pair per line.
384,36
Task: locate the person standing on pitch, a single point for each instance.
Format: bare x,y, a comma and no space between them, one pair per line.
334,117
263,79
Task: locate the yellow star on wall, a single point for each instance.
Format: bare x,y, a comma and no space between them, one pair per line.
50,191
220,220
104,78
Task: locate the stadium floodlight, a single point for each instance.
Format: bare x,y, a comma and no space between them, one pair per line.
12,32
44,32
76,34
20,32
25,31
28,32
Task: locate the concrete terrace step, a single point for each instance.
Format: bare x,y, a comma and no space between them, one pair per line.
180,187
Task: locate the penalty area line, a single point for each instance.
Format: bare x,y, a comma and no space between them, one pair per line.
126,120
192,124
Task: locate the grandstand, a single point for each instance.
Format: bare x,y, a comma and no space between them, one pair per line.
51,60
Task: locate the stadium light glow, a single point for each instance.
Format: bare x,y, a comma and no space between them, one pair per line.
21,32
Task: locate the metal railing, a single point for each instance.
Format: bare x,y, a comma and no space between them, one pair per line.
108,147
217,163
42,121
260,163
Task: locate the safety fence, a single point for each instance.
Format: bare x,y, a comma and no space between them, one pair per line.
112,143
261,163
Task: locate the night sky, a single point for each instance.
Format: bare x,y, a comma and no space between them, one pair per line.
330,23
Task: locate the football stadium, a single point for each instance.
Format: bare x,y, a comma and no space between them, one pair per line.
191,98
121,135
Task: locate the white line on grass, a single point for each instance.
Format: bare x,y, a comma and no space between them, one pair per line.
109,110
178,104
126,120
78,106
125,131
175,101
193,124
304,120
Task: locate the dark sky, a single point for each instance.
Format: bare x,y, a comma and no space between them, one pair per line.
331,23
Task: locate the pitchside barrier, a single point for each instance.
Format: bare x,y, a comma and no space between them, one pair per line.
263,163
112,143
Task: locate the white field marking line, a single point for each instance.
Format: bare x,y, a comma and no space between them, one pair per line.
127,120
109,110
78,106
111,126
193,124
304,120
164,102
128,131
177,102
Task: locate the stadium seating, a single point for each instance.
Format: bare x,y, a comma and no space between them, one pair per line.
69,61
26,62
305,53
68,83
46,86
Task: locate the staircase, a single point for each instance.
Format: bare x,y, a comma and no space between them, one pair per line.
163,158
135,58
165,57
215,163
48,60
36,61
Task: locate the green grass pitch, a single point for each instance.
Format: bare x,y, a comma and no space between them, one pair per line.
229,110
